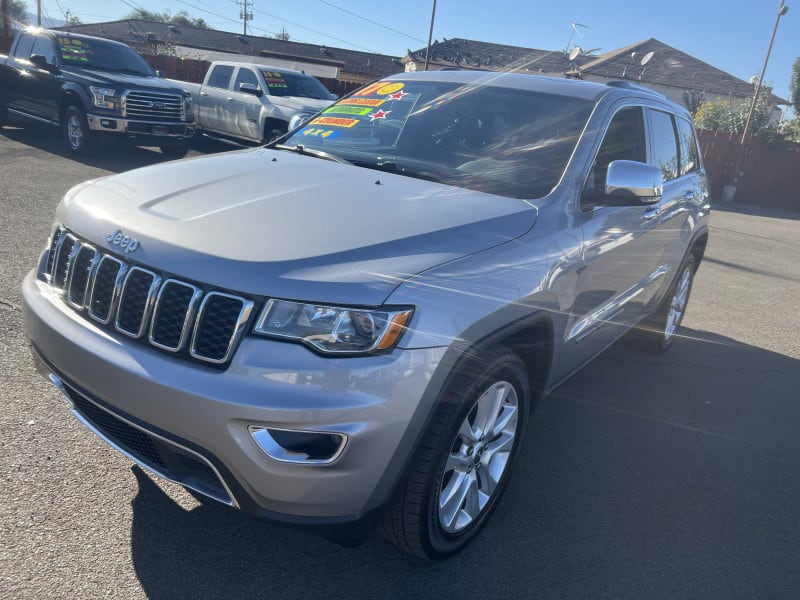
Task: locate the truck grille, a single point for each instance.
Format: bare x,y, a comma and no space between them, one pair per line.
153,105
172,315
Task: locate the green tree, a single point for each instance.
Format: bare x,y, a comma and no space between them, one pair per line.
179,18
730,117
794,86
693,99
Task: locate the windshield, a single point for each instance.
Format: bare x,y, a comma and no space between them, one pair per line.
498,140
98,54
295,84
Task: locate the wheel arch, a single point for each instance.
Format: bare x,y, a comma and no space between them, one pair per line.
530,337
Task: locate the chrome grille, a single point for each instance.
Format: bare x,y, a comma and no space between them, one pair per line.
153,105
136,300
177,316
79,274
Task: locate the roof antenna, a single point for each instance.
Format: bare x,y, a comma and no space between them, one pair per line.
575,31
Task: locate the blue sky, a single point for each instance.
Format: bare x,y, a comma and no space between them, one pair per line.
732,35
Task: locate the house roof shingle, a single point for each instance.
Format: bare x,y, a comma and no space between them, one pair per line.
669,66
137,32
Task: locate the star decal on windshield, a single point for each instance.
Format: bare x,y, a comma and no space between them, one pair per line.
381,114
398,95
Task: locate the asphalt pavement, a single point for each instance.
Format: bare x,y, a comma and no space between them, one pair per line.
642,477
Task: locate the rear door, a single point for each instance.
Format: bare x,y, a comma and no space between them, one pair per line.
20,85
674,151
215,98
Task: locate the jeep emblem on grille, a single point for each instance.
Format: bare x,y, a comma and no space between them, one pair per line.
126,243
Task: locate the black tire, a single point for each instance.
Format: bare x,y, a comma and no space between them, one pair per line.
657,331
415,521
175,150
75,130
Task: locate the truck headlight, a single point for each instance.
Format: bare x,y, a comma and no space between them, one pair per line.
104,97
188,106
334,329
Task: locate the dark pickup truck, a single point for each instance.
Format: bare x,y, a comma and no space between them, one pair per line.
88,86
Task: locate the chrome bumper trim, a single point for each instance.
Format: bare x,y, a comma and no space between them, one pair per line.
121,125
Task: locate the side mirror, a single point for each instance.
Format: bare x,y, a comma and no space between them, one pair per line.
159,73
250,88
631,183
41,62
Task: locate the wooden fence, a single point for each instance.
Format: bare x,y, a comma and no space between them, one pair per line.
769,175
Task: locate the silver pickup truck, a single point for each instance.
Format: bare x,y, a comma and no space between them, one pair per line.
352,325
252,102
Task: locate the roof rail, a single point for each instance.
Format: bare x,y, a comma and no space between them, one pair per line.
618,83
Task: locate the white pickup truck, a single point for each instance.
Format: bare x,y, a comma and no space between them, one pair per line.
252,102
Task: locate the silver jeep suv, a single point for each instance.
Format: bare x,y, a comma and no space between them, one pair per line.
350,327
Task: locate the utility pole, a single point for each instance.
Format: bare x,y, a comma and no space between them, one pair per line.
729,191
38,13
246,14
5,9
430,35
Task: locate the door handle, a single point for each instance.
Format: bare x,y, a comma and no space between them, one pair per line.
229,99
651,212
204,93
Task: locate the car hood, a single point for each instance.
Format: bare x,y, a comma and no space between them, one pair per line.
297,103
119,80
274,223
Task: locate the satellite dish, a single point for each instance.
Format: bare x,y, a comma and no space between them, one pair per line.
574,53
647,58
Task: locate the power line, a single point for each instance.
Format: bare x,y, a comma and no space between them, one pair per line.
312,30
363,18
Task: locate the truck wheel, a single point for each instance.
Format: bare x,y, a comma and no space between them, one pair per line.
175,150
465,459
657,332
75,130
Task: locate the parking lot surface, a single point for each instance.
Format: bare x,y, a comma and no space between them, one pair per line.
673,476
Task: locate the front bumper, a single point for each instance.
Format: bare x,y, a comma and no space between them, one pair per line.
381,403
141,129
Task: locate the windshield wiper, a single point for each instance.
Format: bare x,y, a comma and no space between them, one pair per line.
301,149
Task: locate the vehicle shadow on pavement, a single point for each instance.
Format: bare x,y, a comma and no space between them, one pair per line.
111,154
642,477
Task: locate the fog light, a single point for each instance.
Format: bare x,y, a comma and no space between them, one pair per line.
108,123
301,447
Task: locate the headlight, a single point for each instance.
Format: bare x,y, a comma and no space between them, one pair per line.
334,329
188,104
298,119
104,97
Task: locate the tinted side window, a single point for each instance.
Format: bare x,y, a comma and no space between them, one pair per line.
220,76
665,146
690,156
624,140
24,46
245,76
44,46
